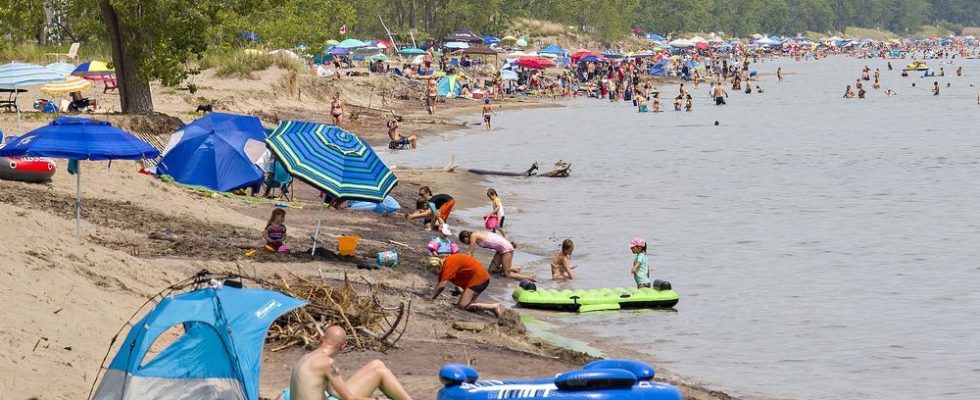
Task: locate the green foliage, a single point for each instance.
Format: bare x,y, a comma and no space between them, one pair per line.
21,19
241,65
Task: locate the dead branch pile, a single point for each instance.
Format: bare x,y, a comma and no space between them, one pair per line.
369,324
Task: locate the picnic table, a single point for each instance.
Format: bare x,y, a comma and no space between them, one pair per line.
10,104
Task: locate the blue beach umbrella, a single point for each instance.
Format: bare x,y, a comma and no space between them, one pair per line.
76,139
16,75
333,160
338,51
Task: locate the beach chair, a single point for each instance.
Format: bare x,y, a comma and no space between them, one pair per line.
110,84
71,54
279,183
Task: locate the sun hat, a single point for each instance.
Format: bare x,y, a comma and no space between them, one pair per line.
638,242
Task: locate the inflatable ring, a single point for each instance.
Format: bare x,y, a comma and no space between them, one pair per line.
642,371
595,379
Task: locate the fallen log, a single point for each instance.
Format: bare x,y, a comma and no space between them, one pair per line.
561,170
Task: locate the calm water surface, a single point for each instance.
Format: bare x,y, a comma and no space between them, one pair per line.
823,248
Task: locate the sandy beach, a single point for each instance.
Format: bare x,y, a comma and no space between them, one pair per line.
68,296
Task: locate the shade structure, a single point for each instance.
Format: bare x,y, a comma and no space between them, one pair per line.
69,85
16,75
351,44
456,45
77,138
23,74
61,67
490,39
379,57
338,51
411,51
535,63
93,70
332,42
508,40
217,151
333,160
591,58
553,49
216,355
508,75
464,35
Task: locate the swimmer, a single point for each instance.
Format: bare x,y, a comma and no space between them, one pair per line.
716,123
935,88
678,102
759,89
890,92
719,93
849,93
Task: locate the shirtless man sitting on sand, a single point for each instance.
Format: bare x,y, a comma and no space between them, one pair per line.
397,140
316,373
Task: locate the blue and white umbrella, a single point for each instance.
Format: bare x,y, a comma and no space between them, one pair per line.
62,67
77,138
16,75
333,160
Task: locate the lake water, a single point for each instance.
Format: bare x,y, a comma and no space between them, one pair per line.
823,248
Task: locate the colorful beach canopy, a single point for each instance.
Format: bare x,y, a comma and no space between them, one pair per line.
93,69
217,356
22,74
218,151
553,49
535,63
77,138
69,85
333,160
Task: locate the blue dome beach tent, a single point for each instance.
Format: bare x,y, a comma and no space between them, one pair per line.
553,49
218,151
335,161
660,68
77,139
448,86
217,356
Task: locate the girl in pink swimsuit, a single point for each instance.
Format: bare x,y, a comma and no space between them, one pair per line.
502,247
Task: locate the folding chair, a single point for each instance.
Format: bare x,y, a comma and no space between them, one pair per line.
279,183
110,84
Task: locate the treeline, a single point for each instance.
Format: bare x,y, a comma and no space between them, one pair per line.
286,23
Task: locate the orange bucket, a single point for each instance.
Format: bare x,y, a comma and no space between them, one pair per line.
347,245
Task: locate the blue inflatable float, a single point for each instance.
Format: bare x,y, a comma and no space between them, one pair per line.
598,380
388,206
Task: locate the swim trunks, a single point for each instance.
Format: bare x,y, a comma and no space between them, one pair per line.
720,100
481,287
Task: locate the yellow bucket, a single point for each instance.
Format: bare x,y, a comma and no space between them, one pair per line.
347,245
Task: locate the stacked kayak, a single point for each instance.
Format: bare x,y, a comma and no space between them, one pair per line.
581,300
597,380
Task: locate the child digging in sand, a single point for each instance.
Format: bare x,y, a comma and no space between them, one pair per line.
275,232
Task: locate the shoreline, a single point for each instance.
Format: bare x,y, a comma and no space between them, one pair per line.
140,234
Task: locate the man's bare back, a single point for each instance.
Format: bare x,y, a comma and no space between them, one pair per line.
311,376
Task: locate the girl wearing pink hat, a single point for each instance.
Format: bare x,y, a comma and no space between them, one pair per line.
641,270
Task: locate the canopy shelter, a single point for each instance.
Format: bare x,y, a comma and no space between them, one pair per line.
583,53
76,139
217,355
218,151
553,49
456,45
592,58
483,51
490,39
19,75
335,161
535,63
464,35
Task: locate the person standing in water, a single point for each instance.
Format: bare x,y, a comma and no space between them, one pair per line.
497,208
935,88
487,112
779,74
719,93
641,268
431,94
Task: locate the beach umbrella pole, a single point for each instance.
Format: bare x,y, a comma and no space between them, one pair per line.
316,234
78,201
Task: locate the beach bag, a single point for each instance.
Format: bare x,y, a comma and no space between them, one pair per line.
490,221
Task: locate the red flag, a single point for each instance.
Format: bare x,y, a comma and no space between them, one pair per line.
343,29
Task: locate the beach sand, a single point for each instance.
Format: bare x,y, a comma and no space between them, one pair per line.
66,297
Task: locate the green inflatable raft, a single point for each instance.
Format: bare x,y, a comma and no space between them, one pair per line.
580,300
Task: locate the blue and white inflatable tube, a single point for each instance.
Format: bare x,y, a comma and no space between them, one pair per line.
387,206
598,380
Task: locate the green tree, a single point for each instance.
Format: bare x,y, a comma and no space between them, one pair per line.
154,40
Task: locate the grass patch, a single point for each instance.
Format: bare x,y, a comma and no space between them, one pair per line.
241,65
971,31
931,31
873,34
535,27
32,53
